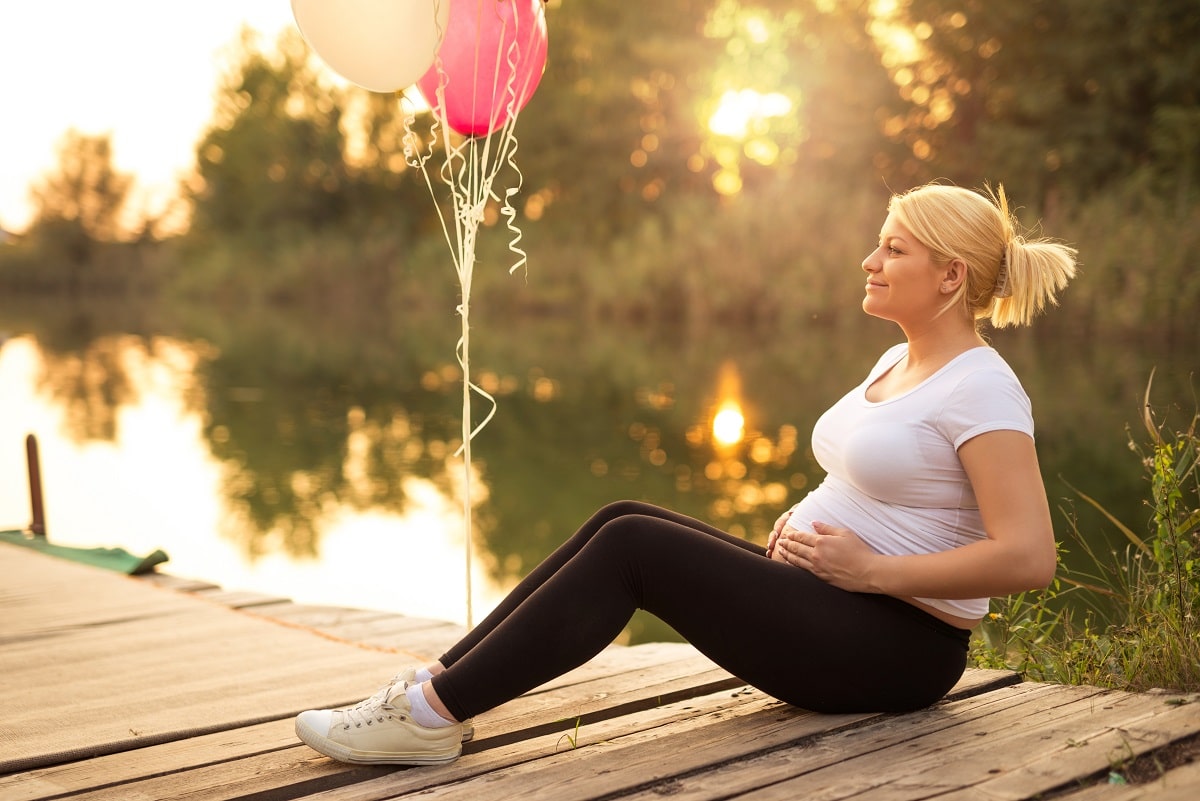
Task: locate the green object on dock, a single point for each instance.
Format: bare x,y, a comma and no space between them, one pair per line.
118,559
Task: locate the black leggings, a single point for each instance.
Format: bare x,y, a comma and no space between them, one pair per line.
774,626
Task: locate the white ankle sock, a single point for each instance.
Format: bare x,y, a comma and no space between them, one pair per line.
422,712
423,674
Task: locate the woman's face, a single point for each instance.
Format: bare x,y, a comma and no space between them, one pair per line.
903,283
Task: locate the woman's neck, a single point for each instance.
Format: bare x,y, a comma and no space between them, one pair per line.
938,344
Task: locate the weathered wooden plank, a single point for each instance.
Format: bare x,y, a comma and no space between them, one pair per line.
538,713
323,617
95,662
249,777
1179,784
239,599
976,681
428,641
157,760
736,775
1130,725
391,626
955,762
421,639
177,583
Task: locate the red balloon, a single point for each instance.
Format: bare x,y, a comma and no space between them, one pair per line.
491,60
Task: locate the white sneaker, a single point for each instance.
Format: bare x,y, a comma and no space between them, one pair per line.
409,673
379,731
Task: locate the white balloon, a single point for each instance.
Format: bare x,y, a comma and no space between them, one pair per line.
381,45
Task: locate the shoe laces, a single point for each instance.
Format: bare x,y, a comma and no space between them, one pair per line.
375,709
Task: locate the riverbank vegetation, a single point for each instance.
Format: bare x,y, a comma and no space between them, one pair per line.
1131,618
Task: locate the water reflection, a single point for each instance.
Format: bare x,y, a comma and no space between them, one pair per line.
267,455
153,480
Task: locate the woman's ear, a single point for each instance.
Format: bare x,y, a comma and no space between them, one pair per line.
954,275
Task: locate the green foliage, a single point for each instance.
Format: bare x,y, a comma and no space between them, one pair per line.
1126,235
714,262
1135,623
1054,96
274,157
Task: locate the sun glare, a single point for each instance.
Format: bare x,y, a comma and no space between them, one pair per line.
740,113
900,44
729,424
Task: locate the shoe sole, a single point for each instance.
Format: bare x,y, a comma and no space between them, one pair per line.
323,745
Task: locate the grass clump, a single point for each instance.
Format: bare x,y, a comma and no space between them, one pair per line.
1132,620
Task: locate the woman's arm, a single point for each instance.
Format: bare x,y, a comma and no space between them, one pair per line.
1018,554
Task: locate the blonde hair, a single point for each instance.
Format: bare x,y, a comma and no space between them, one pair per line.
1009,279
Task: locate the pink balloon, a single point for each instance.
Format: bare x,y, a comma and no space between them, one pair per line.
491,58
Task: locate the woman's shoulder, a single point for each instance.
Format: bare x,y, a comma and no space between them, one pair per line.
985,363
981,384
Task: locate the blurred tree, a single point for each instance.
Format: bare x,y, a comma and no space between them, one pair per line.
609,136
77,212
273,157
306,181
86,192
384,189
1057,96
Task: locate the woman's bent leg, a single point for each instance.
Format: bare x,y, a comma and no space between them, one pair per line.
552,563
773,625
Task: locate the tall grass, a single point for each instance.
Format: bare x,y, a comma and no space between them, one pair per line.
1133,623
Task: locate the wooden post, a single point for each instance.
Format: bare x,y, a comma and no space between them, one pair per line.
38,524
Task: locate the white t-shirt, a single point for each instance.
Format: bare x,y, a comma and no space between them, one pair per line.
894,477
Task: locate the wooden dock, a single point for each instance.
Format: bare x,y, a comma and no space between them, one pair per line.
155,688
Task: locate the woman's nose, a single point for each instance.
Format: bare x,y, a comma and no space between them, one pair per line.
869,264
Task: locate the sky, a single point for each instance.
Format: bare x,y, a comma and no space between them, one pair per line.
142,71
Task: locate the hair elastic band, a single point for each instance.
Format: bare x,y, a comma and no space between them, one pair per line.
1002,289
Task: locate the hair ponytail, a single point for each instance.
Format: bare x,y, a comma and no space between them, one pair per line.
1031,273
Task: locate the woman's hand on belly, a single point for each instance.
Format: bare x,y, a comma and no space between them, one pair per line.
775,532
832,554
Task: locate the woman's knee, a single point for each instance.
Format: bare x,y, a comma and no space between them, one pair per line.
640,540
618,509
602,517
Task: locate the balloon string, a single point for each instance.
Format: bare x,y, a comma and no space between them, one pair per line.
466,226
461,246
510,146
510,212
463,358
468,172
